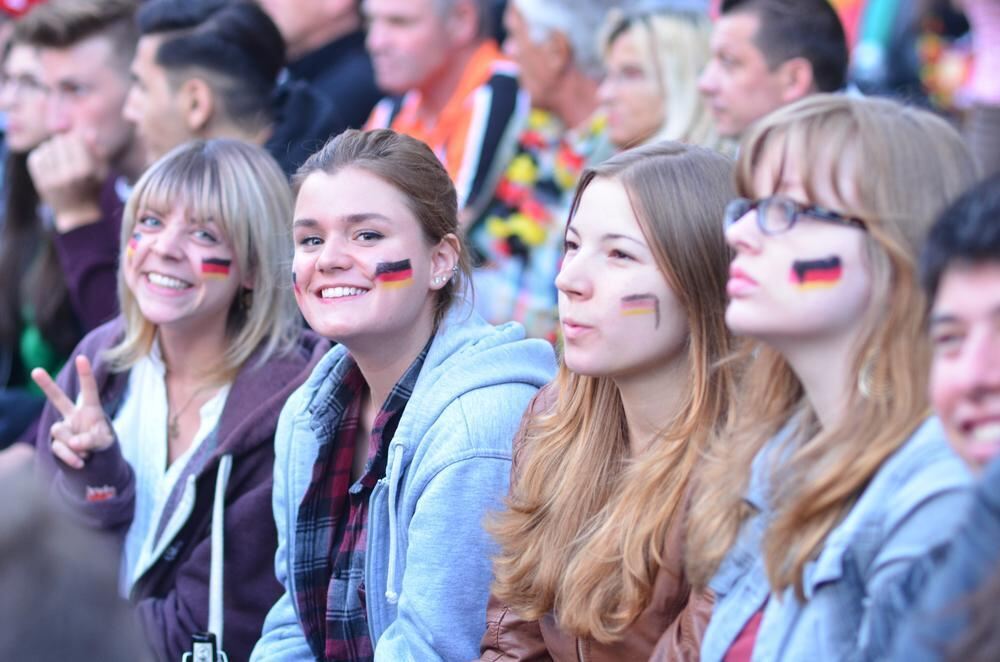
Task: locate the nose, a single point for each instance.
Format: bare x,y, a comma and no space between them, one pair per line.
706,81
333,257
57,116
132,111
605,89
573,279
980,366
168,243
375,40
744,235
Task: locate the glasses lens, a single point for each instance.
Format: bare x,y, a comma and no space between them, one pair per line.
776,215
736,210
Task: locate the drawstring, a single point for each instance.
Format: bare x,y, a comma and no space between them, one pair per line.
390,590
218,531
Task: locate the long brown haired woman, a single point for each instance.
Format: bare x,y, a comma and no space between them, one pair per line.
832,480
591,561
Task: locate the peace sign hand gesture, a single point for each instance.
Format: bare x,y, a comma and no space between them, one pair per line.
84,428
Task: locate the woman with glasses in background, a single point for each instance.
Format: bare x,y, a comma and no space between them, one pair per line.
830,479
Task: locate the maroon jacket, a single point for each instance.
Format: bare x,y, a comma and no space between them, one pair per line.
172,596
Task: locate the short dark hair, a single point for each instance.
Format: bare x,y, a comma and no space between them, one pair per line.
237,41
968,232
64,23
809,29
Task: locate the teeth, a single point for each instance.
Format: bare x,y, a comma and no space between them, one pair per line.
167,281
339,292
986,432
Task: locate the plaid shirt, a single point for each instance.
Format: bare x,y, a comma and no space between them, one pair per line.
331,532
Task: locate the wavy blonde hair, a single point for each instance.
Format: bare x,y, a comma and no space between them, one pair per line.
244,190
902,166
586,526
676,49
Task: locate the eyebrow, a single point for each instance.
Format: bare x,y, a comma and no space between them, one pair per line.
350,219
950,318
609,236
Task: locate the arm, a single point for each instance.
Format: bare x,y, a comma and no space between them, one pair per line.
509,638
249,585
282,638
88,256
445,588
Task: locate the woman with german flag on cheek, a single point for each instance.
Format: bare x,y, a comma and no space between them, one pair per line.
391,454
831,480
160,428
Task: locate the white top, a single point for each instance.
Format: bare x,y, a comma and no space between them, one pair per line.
141,427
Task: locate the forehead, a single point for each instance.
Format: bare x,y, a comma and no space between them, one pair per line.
605,207
22,57
349,192
400,8
969,291
736,31
89,58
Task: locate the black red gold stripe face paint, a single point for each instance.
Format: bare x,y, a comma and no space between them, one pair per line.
215,267
816,274
394,274
641,304
133,244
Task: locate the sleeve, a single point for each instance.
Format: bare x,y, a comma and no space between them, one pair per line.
249,586
930,515
479,150
442,601
282,638
509,638
971,559
88,256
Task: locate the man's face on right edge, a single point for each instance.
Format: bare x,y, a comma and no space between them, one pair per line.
965,369
87,89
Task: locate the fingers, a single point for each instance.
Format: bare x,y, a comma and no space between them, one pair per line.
61,451
52,391
88,385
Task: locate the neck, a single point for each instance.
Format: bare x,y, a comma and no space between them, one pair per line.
383,361
435,94
227,129
329,29
132,161
824,368
575,99
190,355
653,400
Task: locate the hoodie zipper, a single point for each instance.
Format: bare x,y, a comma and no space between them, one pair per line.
580,656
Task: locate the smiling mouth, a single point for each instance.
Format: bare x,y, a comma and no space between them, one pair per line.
341,292
162,280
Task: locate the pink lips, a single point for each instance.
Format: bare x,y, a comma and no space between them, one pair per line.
740,282
573,331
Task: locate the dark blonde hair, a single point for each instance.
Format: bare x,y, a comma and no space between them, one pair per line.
586,526
409,166
64,23
902,166
244,191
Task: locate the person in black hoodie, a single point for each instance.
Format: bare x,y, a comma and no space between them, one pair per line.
211,69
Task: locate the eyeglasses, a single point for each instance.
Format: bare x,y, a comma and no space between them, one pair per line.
778,214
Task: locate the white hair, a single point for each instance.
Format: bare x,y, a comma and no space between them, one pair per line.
579,21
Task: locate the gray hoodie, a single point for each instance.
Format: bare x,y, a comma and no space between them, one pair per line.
428,561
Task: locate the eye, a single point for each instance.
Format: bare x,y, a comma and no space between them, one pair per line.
368,236
619,254
150,222
204,236
947,341
570,245
309,241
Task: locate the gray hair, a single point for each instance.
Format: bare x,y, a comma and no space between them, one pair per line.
579,20
484,8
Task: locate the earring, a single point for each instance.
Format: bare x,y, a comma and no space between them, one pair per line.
438,280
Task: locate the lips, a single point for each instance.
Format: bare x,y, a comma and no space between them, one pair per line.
573,330
740,282
982,439
341,292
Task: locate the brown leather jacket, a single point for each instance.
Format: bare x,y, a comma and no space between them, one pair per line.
670,628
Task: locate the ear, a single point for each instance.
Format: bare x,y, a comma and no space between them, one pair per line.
444,259
462,22
197,102
796,77
558,53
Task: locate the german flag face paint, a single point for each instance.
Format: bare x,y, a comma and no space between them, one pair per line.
394,275
215,267
641,304
133,245
816,274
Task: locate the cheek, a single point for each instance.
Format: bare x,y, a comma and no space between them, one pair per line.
941,387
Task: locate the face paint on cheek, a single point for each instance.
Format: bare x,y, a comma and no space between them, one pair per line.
215,267
394,275
641,304
133,245
816,274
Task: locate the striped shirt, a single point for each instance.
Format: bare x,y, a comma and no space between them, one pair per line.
475,132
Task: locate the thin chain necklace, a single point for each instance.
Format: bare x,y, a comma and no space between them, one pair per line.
173,427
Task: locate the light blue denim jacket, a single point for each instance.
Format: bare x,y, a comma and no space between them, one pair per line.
913,503
428,560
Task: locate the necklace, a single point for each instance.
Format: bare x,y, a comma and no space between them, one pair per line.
173,427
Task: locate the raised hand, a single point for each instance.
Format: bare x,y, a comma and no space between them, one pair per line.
68,177
84,428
